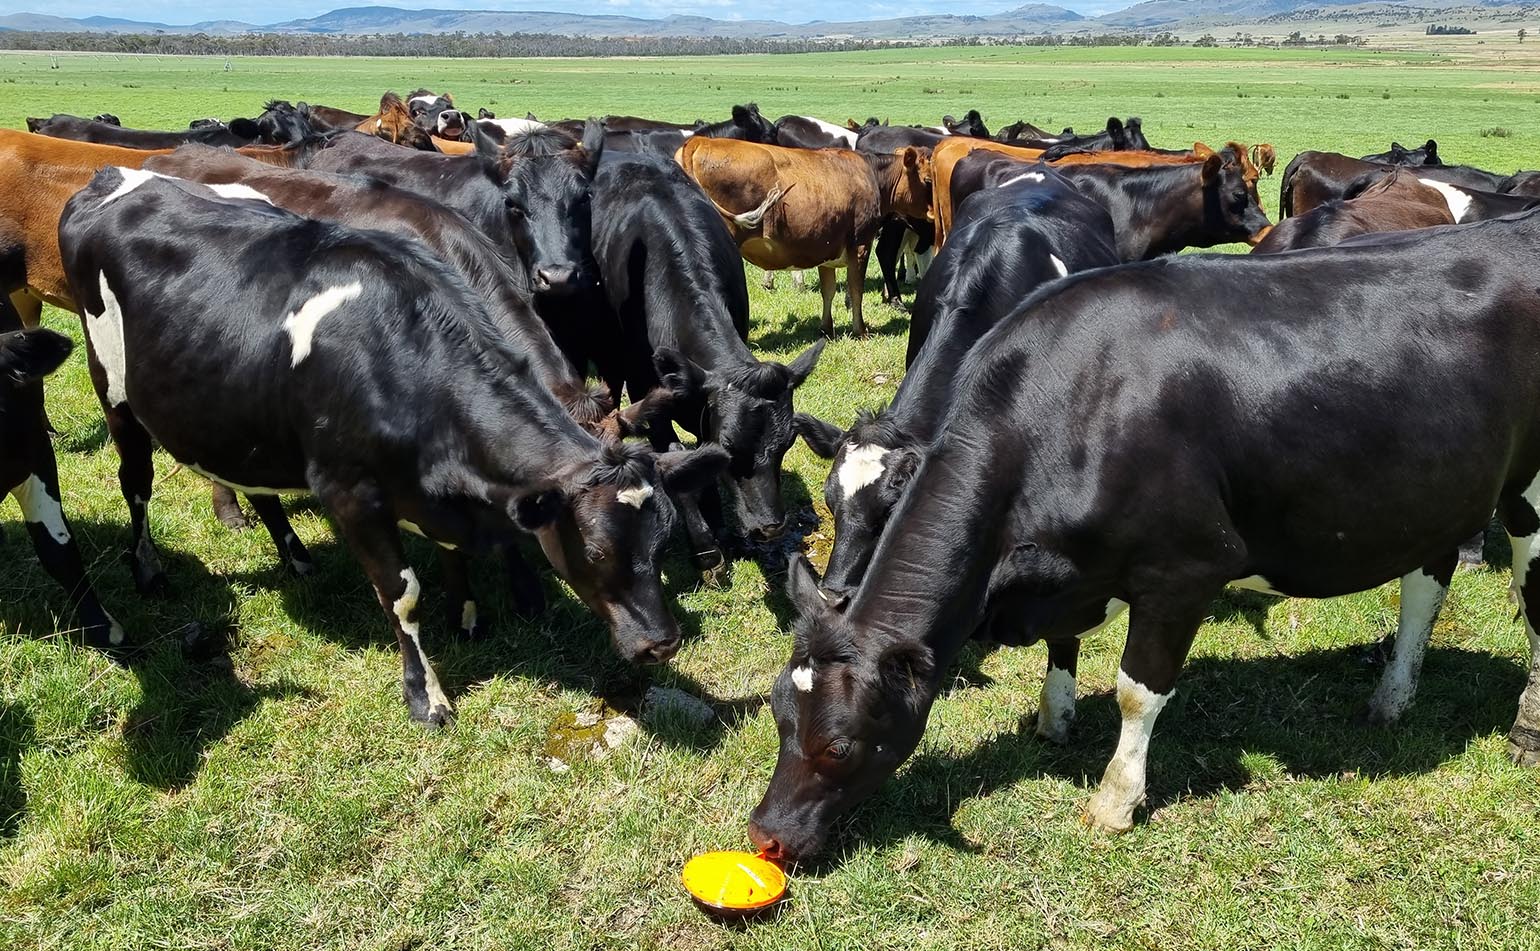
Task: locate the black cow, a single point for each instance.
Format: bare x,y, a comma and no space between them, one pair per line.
971,124
1118,136
1521,183
807,132
108,118
1029,227
29,473
284,123
534,193
674,278
61,126
1029,136
1425,154
887,139
1293,384
746,124
367,374
1472,204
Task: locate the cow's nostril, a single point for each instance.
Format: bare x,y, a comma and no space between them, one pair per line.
659,652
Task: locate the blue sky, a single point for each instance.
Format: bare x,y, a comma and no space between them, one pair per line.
792,11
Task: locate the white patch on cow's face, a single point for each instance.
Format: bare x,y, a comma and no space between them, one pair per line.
1122,787
1024,177
1058,265
839,132
1457,200
132,179
301,324
802,679
635,497
39,507
237,190
404,608
106,333
1256,583
425,100
862,467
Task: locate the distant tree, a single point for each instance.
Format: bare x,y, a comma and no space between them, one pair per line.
1522,33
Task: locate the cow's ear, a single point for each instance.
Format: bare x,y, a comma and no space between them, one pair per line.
691,470
905,669
679,374
491,156
1397,147
1432,150
1201,150
911,156
852,125
449,97
740,115
245,128
1211,168
898,470
802,586
391,102
822,437
802,367
538,510
593,140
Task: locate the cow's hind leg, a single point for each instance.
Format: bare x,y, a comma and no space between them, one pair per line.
464,617
1160,631
136,478
270,510
1422,594
371,533
855,282
227,508
827,284
1521,517
1056,709
38,496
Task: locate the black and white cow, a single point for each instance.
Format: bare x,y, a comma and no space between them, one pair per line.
30,475
277,353
745,124
1521,183
807,132
436,114
1471,204
673,276
1029,227
1052,500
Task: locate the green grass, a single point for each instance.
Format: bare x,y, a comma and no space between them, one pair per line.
280,798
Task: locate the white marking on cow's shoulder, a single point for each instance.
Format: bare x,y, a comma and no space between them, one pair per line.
635,496
802,678
1457,200
302,323
1058,265
839,132
1256,583
106,333
237,190
132,179
39,507
862,467
1024,177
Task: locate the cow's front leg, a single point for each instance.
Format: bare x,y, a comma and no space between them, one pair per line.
1160,631
523,584
290,549
227,508
1056,708
136,479
1422,594
370,531
464,616
827,285
855,282
1522,514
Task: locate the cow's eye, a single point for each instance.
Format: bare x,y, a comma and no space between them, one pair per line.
594,553
839,749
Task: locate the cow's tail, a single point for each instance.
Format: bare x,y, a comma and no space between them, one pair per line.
749,220
1286,190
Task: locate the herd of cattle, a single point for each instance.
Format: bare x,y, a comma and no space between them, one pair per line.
400,313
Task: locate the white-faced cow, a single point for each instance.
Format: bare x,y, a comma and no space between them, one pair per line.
277,353
1052,499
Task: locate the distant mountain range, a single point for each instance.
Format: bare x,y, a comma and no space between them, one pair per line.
1031,19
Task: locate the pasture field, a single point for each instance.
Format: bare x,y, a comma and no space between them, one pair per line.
278,797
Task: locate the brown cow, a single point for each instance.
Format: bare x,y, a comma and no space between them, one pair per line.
809,208
1395,202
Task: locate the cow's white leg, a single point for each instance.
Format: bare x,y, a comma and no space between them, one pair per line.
1422,594
1523,515
1122,787
1056,708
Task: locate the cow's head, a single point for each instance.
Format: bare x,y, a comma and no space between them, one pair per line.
1425,154
547,186
911,195
970,124
872,465
1232,209
435,113
747,124
108,118
749,414
1133,135
603,525
849,707
284,123
393,123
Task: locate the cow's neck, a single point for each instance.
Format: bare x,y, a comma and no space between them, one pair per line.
1157,225
889,172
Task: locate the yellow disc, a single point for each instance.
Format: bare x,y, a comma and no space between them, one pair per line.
734,881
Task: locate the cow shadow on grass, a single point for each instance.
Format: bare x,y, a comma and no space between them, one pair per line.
1302,712
796,329
17,734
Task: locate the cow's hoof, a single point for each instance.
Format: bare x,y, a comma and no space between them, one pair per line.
1524,747
235,521
1105,814
152,584
300,567
1377,716
433,716
1052,730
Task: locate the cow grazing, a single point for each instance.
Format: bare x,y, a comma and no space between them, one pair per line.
806,132
1394,202
1425,154
29,474
337,323
673,277
1042,511
1315,177
1030,227
59,126
1118,136
745,125
806,208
